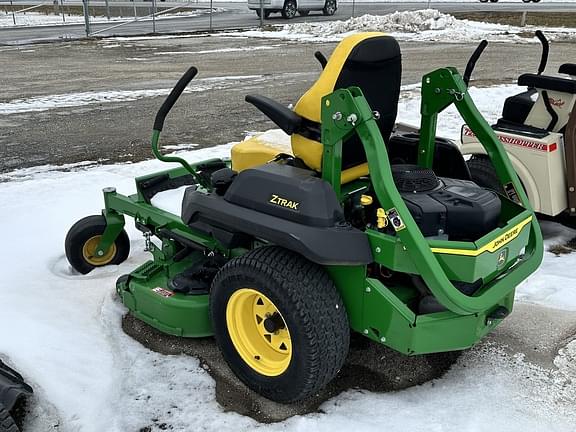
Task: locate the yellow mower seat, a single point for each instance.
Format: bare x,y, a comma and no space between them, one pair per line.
371,61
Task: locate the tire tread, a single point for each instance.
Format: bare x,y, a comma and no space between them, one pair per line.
312,291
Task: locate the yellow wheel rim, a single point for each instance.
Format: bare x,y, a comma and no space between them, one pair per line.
258,332
89,252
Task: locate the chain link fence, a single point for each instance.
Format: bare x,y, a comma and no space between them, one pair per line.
100,16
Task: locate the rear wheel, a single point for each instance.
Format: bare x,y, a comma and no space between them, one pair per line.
527,1
483,173
493,1
280,323
483,1
83,239
329,8
289,10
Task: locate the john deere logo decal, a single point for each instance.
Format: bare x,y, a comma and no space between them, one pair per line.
283,202
502,257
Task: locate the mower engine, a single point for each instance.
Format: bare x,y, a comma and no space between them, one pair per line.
446,208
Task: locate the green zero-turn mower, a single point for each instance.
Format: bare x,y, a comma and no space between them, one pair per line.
357,228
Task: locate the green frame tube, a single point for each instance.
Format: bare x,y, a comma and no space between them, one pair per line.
346,111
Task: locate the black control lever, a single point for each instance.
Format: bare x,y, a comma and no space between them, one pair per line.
173,97
321,59
545,51
473,59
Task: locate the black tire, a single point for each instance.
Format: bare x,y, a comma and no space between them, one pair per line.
483,173
536,1
84,231
330,7
7,423
493,1
527,1
310,308
303,12
289,9
483,1
266,13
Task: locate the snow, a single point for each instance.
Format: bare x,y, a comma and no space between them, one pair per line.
170,200
45,103
63,330
426,25
450,121
553,284
220,50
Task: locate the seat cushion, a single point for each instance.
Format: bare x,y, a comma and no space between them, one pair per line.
568,68
517,107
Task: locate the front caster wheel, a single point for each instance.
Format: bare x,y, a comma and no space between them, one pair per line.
83,239
280,323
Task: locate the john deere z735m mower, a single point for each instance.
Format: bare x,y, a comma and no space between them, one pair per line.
281,256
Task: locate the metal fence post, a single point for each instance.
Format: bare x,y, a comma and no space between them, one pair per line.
353,8
107,10
13,14
523,19
261,13
211,15
62,11
153,16
86,17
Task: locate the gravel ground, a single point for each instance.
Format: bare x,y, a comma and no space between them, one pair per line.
119,130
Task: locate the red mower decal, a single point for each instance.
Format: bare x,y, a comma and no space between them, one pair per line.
556,102
521,142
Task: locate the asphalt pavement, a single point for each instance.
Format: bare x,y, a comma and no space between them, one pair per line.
237,15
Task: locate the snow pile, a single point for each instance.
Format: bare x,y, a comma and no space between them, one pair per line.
420,25
407,22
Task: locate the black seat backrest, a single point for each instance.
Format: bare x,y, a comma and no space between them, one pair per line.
375,66
369,61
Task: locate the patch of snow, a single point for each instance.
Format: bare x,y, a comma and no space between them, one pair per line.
170,200
221,50
552,284
44,103
449,121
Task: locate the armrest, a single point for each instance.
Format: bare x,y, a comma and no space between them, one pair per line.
284,117
544,82
568,69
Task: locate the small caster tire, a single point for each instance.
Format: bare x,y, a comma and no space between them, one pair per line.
82,240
